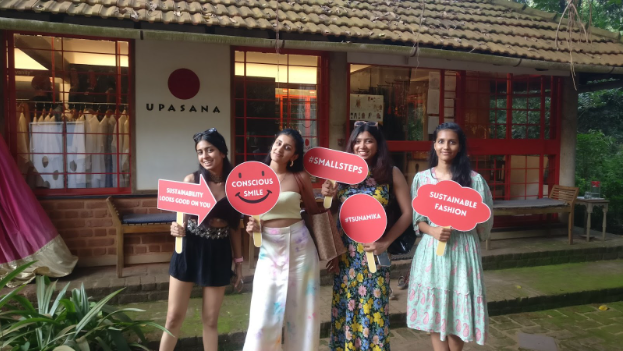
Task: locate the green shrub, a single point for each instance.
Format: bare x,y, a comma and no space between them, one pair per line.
66,323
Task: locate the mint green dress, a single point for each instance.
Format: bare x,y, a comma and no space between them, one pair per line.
447,293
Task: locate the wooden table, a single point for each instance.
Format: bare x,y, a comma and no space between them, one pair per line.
589,204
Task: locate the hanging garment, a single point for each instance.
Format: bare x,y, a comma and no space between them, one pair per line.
76,158
285,292
23,150
111,152
89,145
47,149
96,144
124,149
26,232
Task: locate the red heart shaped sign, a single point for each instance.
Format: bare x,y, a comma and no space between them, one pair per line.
252,188
447,203
363,218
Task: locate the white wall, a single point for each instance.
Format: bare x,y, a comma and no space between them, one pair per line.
164,144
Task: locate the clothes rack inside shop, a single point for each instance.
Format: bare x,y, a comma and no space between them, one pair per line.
70,111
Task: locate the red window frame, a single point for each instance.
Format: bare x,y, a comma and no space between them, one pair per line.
11,109
546,147
322,98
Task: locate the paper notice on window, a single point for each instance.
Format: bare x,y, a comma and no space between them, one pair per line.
432,106
366,107
433,122
448,110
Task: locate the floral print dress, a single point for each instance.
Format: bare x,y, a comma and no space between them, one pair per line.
447,293
360,304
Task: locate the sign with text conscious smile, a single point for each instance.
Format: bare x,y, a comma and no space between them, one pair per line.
252,188
447,203
340,166
195,199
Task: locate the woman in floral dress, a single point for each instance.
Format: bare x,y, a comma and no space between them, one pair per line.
360,305
447,293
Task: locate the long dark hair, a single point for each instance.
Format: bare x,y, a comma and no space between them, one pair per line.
213,137
461,166
299,149
381,164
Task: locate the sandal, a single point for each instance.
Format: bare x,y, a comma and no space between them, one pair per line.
402,284
391,295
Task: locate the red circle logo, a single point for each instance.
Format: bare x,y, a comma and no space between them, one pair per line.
184,84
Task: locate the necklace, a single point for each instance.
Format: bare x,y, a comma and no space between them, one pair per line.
282,177
215,179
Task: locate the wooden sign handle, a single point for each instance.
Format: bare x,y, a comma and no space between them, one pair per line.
441,247
179,241
257,237
328,200
371,262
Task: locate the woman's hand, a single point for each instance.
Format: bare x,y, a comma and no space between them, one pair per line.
328,188
253,226
377,247
177,230
238,283
333,265
442,234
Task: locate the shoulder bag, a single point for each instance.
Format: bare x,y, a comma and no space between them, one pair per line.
321,226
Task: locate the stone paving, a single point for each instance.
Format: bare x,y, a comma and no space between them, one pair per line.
578,328
150,282
511,290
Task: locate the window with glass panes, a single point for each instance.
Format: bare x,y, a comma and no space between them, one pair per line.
510,121
68,114
273,91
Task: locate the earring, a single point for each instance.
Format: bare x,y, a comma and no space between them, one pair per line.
291,163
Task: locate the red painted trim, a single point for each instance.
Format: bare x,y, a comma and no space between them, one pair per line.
442,88
11,105
509,107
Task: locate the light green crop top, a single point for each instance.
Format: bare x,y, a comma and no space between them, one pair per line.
288,206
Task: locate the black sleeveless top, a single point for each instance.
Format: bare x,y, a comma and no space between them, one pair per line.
222,210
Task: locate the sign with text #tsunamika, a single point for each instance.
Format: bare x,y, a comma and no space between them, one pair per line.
195,199
335,165
364,220
448,204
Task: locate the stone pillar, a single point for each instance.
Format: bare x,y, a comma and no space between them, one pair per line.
338,68
568,132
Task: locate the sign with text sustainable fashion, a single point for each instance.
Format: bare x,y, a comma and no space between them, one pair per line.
364,220
341,166
448,204
195,199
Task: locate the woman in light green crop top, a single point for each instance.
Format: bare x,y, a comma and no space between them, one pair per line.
287,273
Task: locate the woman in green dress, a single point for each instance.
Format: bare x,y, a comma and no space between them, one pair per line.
360,305
447,293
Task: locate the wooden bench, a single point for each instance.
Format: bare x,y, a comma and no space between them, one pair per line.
561,200
136,223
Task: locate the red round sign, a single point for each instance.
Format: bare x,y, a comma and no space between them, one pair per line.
447,203
252,188
183,84
335,165
363,218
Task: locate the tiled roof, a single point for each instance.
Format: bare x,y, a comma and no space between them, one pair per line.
497,27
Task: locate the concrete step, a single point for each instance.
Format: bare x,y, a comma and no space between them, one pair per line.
509,291
150,282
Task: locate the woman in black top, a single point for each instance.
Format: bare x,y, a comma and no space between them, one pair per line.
206,257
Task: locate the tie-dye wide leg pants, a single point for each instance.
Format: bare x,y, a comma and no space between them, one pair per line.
285,292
